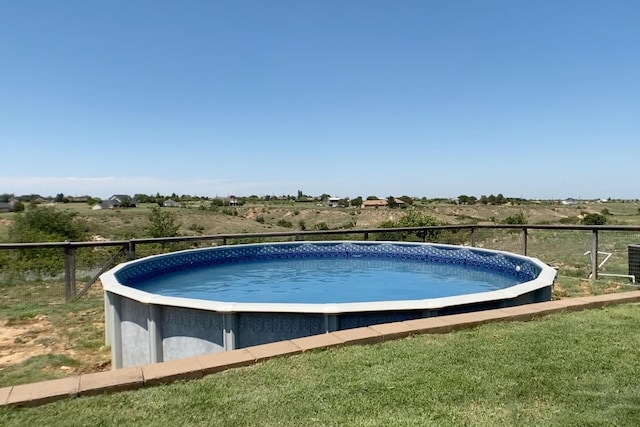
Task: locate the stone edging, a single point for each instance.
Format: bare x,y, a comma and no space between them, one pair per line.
196,367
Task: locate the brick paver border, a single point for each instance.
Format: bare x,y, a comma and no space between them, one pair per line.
199,366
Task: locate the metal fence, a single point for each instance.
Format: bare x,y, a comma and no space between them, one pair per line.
63,271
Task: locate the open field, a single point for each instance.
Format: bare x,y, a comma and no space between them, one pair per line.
42,337
570,369
200,219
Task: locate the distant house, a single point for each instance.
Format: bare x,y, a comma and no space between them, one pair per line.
35,198
233,201
78,199
6,207
376,203
124,200
170,204
333,201
106,204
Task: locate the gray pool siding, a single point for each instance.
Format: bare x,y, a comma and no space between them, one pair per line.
150,333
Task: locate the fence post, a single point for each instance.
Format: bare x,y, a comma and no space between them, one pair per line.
69,273
131,250
594,254
473,237
524,241
366,236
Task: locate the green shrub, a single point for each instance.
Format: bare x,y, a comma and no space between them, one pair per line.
413,218
230,211
46,224
594,219
284,223
162,223
518,218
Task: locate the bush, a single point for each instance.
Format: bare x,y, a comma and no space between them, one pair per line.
260,219
197,228
594,219
46,224
230,211
412,218
518,218
18,206
284,223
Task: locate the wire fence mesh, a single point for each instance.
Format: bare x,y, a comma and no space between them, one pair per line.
39,273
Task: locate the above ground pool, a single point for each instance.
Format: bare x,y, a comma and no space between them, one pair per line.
200,301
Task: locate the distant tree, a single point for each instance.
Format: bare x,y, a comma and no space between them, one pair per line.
356,202
126,202
4,198
467,200
372,198
324,197
391,202
162,223
594,219
60,198
605,211
407,199
92,201
144,198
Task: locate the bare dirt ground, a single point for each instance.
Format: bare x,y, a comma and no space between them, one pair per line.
38,336
16,342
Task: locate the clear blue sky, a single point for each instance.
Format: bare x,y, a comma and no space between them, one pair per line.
535,99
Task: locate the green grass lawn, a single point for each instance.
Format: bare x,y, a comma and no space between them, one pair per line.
573,369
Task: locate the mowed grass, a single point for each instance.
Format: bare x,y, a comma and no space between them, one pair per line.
572,369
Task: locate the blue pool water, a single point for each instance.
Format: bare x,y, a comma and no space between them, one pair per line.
329,280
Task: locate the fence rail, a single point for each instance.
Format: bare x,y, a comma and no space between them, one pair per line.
129,247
